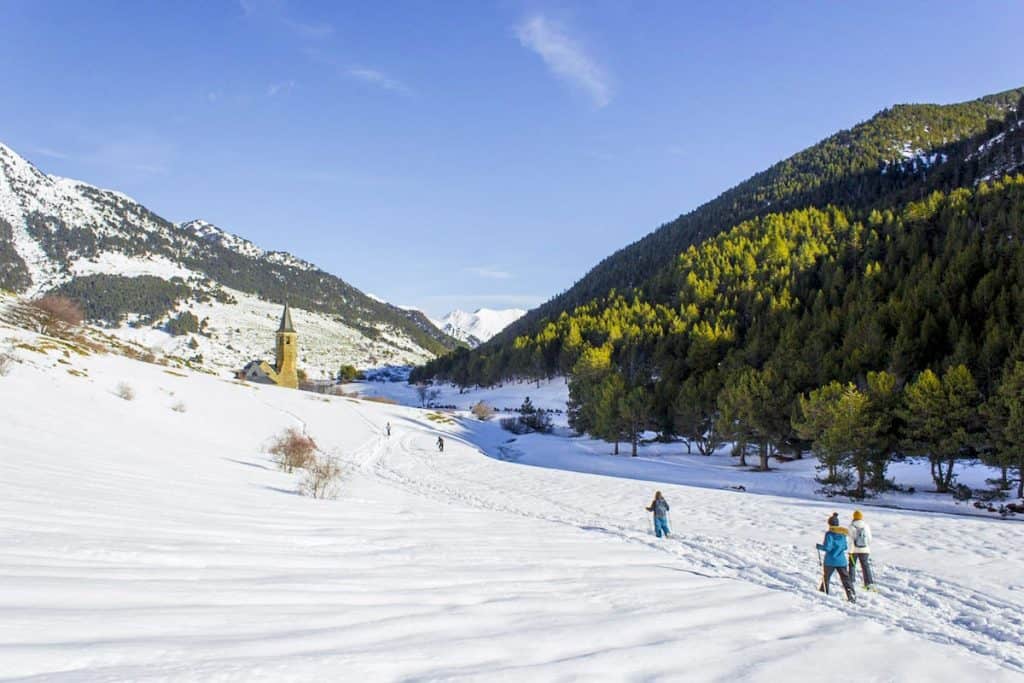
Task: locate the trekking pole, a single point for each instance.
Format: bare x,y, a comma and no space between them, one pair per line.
821,573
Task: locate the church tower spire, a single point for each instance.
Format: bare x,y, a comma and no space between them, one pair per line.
287,348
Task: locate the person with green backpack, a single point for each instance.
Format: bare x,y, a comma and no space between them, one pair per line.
860,549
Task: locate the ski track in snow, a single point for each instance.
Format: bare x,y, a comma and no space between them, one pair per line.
908,599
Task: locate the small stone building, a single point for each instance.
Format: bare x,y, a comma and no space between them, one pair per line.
285,372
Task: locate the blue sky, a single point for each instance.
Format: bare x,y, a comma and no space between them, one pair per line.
464,154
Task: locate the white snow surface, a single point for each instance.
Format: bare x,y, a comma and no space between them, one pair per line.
477,327
140,543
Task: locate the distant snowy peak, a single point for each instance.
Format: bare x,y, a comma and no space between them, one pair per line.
477,327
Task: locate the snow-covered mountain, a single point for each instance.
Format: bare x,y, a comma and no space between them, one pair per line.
477,327
134,271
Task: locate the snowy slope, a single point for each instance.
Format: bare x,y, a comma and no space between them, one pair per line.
54,231
477,327
139,542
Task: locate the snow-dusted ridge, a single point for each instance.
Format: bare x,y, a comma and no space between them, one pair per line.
53,230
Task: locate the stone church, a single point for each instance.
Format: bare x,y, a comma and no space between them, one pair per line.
284,373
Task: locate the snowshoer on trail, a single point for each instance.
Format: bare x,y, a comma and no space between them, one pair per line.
834,548
860,549
387,429
440,444
659,506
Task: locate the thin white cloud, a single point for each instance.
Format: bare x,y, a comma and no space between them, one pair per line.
566,58
275,89
276,11
379,79
137,155
489,272
144,154
51,153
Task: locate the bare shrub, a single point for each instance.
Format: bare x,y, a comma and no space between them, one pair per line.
179,407
125,391
293,449
514,425
6,362
57,312
482,411
427,395
322,477
381,399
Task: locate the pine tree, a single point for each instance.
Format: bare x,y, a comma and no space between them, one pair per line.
942,420
609,423
1004,413
635,409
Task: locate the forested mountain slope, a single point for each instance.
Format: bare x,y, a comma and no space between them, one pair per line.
900,154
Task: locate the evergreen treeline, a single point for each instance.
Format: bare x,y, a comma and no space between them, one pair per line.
858,333
14,275
111,298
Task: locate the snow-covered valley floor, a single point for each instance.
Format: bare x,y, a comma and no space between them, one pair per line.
140,542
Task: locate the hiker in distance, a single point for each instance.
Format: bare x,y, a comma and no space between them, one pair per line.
440,444
387,429
834,548
859,535
659,506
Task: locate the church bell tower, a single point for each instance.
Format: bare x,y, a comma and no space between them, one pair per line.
287,351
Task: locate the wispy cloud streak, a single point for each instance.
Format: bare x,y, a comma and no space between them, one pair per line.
379,79
489,272
276,11
566,57
279,88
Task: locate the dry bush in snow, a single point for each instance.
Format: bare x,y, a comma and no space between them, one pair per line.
292,449
57,312
125,391
482,411
179,407
381,399
7,361
322,477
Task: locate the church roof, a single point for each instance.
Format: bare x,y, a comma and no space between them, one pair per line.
286,320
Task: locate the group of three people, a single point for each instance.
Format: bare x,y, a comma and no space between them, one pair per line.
843,547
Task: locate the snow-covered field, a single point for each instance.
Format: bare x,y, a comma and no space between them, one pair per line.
140,542
244,331
669,462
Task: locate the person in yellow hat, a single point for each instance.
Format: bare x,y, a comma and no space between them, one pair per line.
860,549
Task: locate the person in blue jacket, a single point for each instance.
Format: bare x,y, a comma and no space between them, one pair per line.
659,506
835,548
